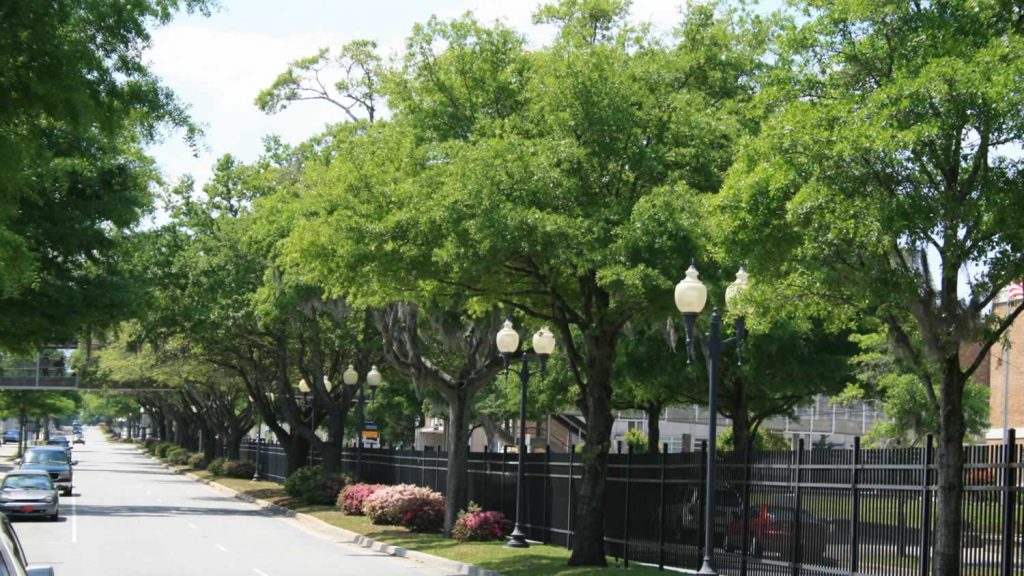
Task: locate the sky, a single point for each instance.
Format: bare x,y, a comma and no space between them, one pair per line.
218,64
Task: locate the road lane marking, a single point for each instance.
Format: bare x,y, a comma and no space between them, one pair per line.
74,521
192,526
260,572
223,549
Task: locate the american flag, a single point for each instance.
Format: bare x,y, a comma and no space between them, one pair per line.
1015,291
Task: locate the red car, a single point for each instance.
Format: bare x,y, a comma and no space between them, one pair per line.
771,529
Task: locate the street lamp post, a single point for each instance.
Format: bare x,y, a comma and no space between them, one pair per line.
309,397
311,402
543,345
691,295
351,378
259,435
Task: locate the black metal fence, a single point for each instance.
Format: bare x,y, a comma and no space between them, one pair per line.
804,512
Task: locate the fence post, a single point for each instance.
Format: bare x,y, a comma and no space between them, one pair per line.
483,493
546,516
745,510
423,466
926,507
661,509
625,521
700,498
1010,500
568,523
797,548
855,512
504,464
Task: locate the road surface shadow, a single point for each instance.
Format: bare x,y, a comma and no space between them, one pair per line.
169,511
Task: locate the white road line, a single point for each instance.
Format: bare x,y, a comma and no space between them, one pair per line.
192,526
223,549
74,521
260,572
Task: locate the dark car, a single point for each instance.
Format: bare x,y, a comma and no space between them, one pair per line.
771,529
11,436
728,505
61,441
12,556
29,493
52,459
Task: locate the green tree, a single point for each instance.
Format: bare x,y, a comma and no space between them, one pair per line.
883,179
909,415
77,103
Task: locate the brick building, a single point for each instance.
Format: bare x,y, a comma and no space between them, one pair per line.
1005,365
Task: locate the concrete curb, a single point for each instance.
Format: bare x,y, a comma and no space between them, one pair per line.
453,566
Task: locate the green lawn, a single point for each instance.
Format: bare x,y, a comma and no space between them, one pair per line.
538,560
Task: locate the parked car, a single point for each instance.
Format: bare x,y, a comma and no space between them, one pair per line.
11,436
12,556
52,459
61,441
728,505
29,493
771,529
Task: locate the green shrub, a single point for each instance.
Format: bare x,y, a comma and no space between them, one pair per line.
216,466
238,469
312,486
195,461
178,456
636,439
150,444
162,448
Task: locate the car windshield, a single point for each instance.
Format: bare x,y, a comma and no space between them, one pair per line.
45,457
28,483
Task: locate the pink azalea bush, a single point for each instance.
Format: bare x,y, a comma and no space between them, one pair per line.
353,496
408,505
424,513
476,524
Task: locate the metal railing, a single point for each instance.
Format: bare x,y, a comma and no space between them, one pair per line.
801,512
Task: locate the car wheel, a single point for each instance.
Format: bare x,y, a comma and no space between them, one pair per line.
54,517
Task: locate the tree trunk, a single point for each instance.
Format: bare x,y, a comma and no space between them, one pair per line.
456,485
588,543
298,454
234,447
653,428
330,456
950,463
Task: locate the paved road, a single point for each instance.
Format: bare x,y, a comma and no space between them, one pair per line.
129,516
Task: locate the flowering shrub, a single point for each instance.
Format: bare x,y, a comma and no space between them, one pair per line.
424,513
476,524
352,497
416,508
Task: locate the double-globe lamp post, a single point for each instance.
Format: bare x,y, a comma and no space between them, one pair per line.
508,344
691,295
351,378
